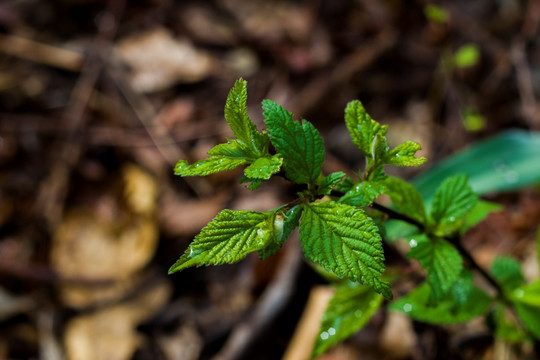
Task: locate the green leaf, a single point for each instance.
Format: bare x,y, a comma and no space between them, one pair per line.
452,201
236,112
232,149
342,239
348,311
397,229
283,226
264,167
222,157
242,126
538,245
506,327
255,183
440,259
208,166
379,148
528,294
403,155
526,300
362,127
363,194
508,273
228,238
479,213
529,316
376,173
406,199
330,182
505,162
300,144
346,184
417,304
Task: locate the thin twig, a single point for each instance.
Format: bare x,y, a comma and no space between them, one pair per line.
397,216
472,262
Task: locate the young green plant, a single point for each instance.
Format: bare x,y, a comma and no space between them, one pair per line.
340,223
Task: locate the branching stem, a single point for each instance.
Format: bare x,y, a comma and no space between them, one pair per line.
453,240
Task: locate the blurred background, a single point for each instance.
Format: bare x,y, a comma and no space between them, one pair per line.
100,98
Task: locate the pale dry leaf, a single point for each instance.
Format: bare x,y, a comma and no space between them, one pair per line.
185,344
208,26
80,296
112,241
272,20
111,333
88,247
398,336
140,190
159,61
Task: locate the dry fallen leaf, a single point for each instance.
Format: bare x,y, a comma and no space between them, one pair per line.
159,61
185,344
398,336
140,190
111,333
90,247
93,245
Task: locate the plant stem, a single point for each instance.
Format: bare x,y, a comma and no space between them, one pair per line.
453,240
472,262
398,216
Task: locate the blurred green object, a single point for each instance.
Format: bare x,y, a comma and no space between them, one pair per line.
436,13
466,56
472,120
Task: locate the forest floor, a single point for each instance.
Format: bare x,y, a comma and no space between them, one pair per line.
100,98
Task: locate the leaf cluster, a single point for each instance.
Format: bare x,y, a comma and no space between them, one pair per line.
340,228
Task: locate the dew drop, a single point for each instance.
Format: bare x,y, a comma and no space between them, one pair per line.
325,335
358,313
331,331
413,243
451,219
407,308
